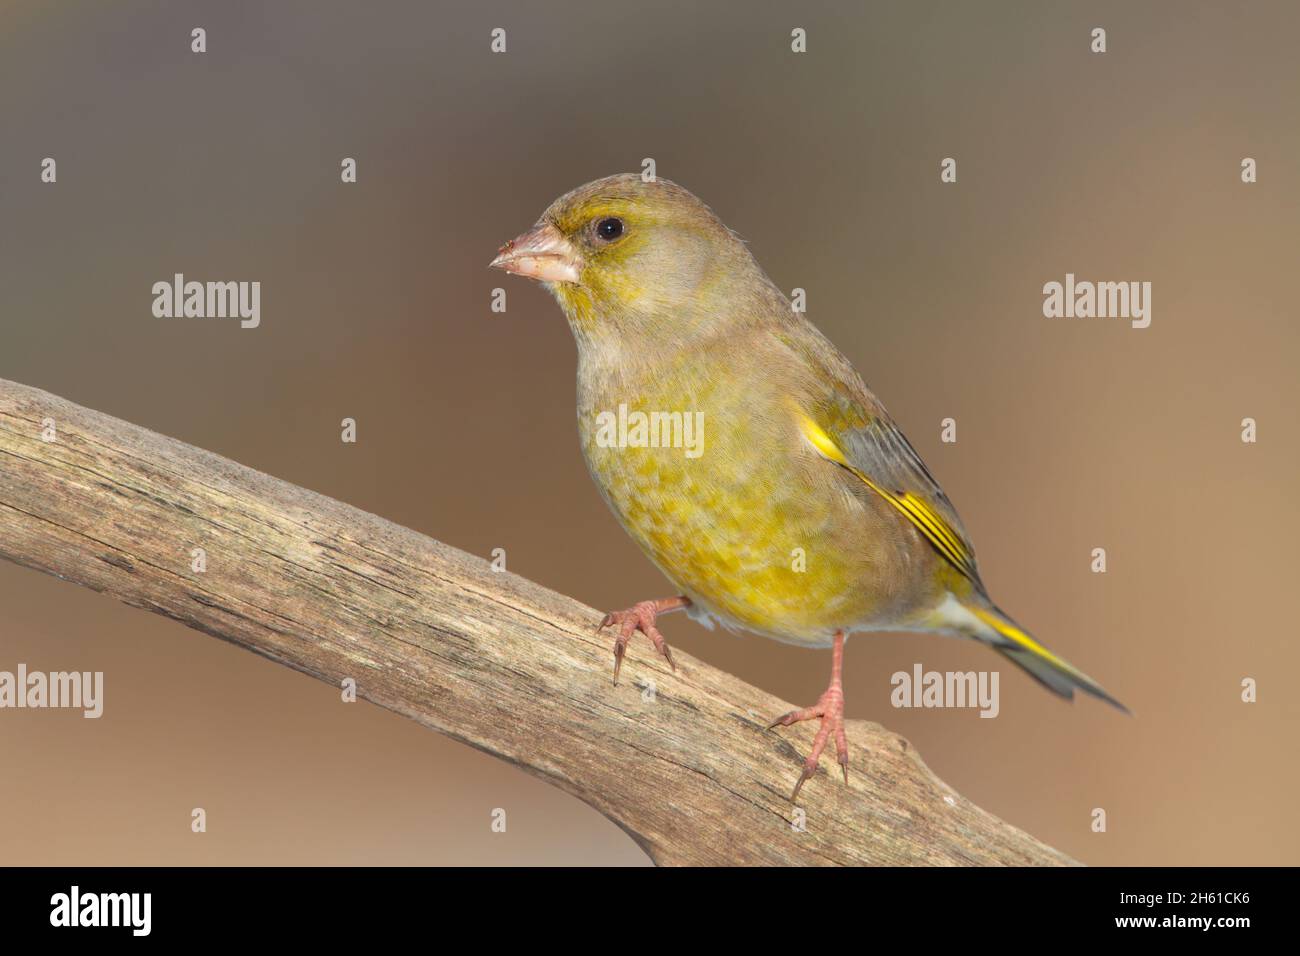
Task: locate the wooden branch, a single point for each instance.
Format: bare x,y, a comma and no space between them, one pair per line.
490,659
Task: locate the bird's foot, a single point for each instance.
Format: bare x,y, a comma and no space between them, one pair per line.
830,708
641,617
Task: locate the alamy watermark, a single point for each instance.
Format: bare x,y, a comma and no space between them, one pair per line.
636,429
922,688
1103,300
78,690
75,908
208,300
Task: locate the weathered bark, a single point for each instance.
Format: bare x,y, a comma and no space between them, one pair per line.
490,659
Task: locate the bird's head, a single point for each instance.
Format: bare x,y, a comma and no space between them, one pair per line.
624,256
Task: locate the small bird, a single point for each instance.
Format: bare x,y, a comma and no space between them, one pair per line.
742,452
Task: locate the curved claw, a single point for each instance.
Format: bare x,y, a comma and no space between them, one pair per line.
803,778
640,617
619,650
830,710
783,720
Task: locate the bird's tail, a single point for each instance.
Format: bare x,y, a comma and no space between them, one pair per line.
1056,674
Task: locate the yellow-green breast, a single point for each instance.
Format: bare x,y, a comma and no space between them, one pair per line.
750,522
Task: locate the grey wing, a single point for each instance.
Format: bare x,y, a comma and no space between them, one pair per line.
875,449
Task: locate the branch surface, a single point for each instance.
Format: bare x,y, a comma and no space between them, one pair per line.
490,659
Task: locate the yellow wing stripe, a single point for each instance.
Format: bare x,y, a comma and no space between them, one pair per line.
926,520
823,442
926,514
932,526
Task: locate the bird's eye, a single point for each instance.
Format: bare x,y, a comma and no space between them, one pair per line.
609,228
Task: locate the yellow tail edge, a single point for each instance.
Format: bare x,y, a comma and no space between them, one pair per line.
1055,673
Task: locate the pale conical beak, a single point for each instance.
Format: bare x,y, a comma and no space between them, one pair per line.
540,253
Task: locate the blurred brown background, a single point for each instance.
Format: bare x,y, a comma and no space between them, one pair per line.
375,305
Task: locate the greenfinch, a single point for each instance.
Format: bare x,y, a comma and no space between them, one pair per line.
742,452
